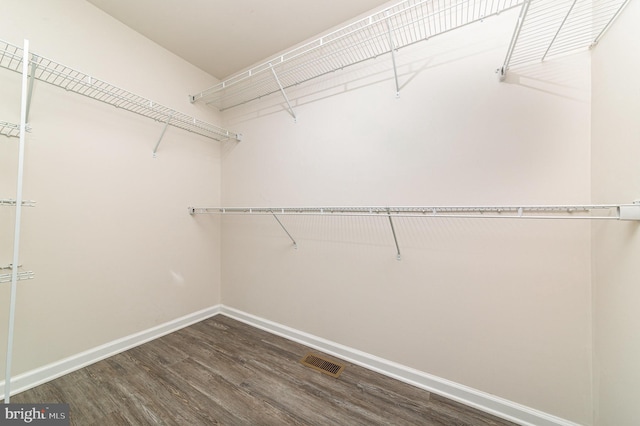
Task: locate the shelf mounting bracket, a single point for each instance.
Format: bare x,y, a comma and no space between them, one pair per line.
295,245
553,40
284,94
606,27
502,71
393,57
393,231
164,129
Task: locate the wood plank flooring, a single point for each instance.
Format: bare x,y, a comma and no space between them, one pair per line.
223,372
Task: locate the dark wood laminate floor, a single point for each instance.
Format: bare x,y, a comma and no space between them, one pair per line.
221,371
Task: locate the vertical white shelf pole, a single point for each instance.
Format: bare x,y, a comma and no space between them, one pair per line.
16,237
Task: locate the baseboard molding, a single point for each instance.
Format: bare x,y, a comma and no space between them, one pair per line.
492,404
33,378
483,401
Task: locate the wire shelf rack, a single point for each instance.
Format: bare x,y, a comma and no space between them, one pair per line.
9,130
615,212
54,73
26,275
398,26
588,212
551,28
20,275
12,202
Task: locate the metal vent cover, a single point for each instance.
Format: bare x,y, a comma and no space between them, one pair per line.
323,364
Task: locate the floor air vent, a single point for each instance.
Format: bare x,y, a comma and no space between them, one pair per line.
322,364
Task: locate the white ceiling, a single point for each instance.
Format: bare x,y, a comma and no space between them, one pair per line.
223,37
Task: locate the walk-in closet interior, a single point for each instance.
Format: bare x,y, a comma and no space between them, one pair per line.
443,192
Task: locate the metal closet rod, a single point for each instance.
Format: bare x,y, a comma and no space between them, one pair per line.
581,211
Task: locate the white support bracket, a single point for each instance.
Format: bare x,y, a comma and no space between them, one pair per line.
284,94
502,71
555,36
629,211
295,245
164,129
393,231
393,57
606,27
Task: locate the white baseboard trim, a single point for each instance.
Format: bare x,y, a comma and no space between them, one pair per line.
483,401
33,378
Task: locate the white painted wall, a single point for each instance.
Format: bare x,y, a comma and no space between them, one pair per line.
110,241
502,306
498,305
616,246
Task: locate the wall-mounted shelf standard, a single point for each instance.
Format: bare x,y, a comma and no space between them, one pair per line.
51,72
548,28
585,212
398,26
15,276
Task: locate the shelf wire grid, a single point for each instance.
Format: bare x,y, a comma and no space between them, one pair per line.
513,212
54,73
26,275
12,202
552,28
398,26
10,130
21,275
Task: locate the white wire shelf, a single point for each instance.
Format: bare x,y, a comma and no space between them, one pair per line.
54,73
10,130
26,275
585,212
551,28
12,202
608,212
398,26
7,277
